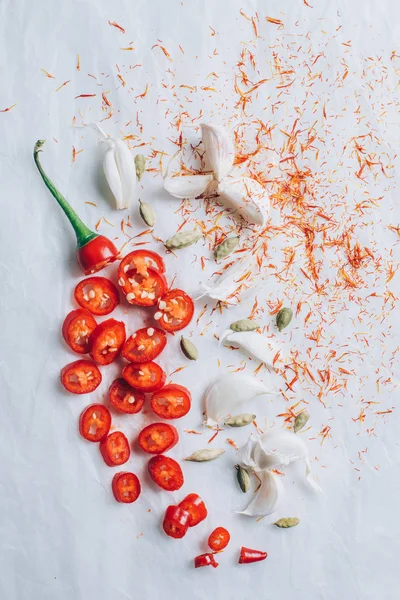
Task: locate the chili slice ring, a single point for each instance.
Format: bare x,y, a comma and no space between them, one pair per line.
77,328
106,341
166,472
126,487
146,377
143,290
115,449
158,438
144,345
140,261
97,294
124,398
219,538
195,506
173,401
175,310
80,377
176,521
95,422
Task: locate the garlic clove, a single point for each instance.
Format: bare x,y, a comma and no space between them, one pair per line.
127,171
112,176
256,344
267,497
278,447
247,196
190,186
220,149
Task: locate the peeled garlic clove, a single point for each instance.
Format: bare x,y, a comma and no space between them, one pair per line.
112,176
266,498
256,344
228,392
247,196
220,149
190,186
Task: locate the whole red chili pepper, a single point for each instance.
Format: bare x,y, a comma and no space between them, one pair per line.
205,560
94,251
249,556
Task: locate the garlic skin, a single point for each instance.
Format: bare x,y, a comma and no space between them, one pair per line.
230,391
246,196
227,283
256,344
219,148
267,497
190,186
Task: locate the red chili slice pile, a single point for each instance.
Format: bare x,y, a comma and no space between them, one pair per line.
141,279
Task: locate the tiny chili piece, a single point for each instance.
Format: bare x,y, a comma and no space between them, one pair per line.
115,449
166,472
175,310
124,398
143,290
97,294
126,487
95,422
176,521
195,507
158,438
77,328
219,538
144,345
205,560
249,556
80,377
146,377
94,251
171,402
106,341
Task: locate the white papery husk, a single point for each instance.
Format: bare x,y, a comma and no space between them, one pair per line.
229,392
256,344
246,196
187,186
227,283
219,149
275,449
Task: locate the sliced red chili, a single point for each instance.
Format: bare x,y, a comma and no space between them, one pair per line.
140,261
97,294
124,398
195,507
171,402
126,487
219,538
158,438
96,254
166,472
175,310
81,377
76,330
95,422
176,521
249,556
147,377
106,341
144,345
143,290
205,560
115,449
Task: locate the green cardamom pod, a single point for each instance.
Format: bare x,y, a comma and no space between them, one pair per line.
147,213
243,478
240,420
182,239
283,318
205,455
286,522
226,247
140,164
300,421
244,325
189,349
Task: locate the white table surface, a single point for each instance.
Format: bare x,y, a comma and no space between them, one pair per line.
62,535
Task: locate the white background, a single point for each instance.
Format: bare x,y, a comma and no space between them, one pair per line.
62,535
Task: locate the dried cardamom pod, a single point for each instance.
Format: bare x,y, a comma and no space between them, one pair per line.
182,239
300,421
226,247
189,349
286,522
243,478
244,325
140,164
283,318
147,213
240,420
205,455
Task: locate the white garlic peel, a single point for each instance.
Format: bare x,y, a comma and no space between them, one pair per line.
190,186
275,449
246,196
230,391
227,283
219,149
255,344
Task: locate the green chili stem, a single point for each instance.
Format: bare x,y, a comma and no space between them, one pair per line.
83,233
